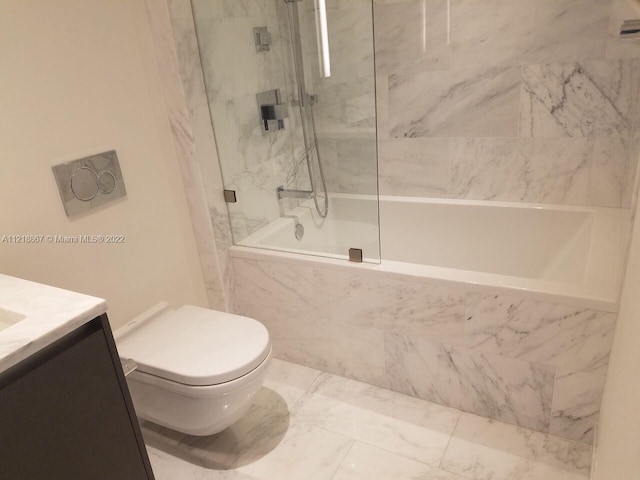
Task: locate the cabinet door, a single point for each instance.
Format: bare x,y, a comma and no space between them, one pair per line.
65,413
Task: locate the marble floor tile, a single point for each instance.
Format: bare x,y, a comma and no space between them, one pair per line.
488,450
305,452
285,384
169,467
256,434
388,420
365,462
341,429
261,446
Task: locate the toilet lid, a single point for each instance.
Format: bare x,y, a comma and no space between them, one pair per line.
197,346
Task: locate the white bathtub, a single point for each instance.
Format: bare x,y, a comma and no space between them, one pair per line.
569,255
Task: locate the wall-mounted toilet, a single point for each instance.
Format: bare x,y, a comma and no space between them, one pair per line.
197,369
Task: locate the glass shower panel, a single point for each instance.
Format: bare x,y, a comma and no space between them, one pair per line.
291,91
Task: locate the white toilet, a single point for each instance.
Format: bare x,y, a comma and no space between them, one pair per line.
197,369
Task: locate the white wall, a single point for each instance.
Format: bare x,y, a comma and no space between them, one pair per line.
77,75
618,454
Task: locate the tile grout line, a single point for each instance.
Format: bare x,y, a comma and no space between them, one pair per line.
307,392
444,453
344,457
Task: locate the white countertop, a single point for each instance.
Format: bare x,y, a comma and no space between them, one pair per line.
49,314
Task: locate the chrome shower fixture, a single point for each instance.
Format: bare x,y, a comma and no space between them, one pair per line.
630,29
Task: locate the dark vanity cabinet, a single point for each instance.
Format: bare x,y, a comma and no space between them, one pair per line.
66,413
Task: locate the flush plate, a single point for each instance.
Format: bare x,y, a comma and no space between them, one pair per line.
89,182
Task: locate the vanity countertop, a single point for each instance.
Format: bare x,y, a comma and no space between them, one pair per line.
33,316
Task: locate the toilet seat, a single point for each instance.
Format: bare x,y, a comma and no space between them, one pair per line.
194,346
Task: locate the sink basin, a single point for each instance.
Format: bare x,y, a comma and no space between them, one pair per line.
8,318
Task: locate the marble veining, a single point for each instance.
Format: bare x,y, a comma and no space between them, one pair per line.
49,314
345,349
517,169
411,36
500,356
382,418
183,137
595,98
456,103
364,462
503,71
573,338
484,449
576,405
496,387
338,429
414,167
521,32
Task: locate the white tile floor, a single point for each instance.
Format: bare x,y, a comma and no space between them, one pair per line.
314,426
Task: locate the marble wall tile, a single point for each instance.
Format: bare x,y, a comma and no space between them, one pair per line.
414,167
631,171
569,30
608,172
357,299
515,169
616,48
492,32
597,98
282,286
350,164
573,338
576,405
437,312
461,103
570,171
497,387
345,349
520,32
181,128
346,108
483,449
254,163
191,75
411,36
496,356
382,106
350,39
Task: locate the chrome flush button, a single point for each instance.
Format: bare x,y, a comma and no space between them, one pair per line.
84,184
106,182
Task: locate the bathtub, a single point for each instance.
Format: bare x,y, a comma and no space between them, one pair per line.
499,309
566,254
